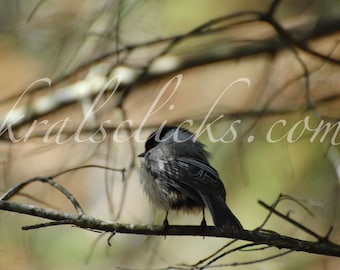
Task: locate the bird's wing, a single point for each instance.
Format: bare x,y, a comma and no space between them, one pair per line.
189,176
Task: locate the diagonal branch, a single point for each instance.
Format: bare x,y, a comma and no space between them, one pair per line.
300,226
14,190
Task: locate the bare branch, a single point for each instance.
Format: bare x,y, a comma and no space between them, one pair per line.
89,166
14,190
88,222
295,223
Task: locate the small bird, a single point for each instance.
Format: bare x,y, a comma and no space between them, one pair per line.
176,175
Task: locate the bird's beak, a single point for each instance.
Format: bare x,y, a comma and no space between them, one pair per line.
141,155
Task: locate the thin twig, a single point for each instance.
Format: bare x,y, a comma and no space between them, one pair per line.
14,190
295,223
88,166
258,260
214,253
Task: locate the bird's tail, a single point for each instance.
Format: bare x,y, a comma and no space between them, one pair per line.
220,212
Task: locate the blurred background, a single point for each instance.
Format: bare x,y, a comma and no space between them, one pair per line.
228,66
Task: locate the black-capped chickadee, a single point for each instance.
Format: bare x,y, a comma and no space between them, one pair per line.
176,175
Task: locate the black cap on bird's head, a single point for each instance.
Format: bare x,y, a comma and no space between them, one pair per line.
156,137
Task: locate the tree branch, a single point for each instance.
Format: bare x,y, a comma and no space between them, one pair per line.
87,222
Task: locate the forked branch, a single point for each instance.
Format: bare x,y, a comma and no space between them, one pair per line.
258,237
